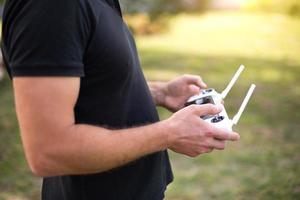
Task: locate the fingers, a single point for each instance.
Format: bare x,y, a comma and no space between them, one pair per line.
218,133
196,80
207,149
220,144
223,134
217,144
206,109
193,90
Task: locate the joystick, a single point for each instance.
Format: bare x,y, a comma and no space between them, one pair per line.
212,96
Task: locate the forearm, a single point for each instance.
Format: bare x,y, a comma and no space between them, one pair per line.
84,149
157,90
55,145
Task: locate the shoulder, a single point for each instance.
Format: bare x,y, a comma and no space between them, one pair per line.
46,7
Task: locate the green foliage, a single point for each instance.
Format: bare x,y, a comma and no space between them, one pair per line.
157,7
15,176
291,7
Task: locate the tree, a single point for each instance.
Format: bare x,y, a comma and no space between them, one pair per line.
156,7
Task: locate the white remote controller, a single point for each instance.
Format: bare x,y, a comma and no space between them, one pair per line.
212,96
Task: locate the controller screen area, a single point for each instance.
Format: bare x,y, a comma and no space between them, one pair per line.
200,101
205,100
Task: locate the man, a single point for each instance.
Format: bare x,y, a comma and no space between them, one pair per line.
87,117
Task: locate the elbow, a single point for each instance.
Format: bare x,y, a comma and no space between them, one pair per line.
38,164
44,158
44,162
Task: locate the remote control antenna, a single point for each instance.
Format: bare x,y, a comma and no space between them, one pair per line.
233,80
244,104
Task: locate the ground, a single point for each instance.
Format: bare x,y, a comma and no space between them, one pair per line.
264,164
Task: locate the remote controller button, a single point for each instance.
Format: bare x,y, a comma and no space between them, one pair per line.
217,119
207,91
199,101
205,117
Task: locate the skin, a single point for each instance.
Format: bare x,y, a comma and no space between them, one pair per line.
1,67
174,94
54,145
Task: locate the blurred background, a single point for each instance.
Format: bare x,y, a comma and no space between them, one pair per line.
210,38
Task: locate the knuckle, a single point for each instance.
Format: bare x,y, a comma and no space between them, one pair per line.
208,132
210,107
192,154
200,152
199,78
195,155
193,108
214,109
185,75
208,150
226,136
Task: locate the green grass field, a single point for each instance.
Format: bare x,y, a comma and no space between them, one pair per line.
265,163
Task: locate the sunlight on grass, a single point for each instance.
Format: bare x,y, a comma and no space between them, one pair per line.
230,34
270,75
213,45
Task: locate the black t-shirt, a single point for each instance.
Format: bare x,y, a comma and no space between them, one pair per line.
88,39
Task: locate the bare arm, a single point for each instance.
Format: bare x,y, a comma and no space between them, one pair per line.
55,145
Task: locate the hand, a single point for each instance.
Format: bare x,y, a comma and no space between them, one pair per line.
192,136
177,91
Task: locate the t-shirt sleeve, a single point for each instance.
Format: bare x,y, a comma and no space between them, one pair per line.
47,38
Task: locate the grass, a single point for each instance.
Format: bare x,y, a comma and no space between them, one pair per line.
264,164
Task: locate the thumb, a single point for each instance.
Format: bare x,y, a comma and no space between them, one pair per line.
193,90
196,80
206,109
